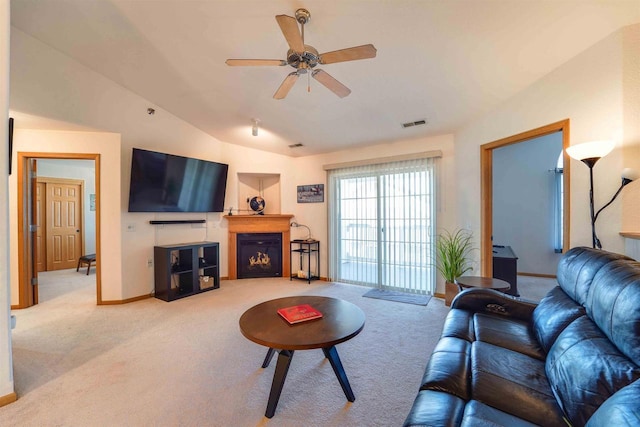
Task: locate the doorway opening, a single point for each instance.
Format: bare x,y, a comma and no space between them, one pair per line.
64,255
486,167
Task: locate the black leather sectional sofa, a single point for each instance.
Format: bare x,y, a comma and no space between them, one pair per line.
571,360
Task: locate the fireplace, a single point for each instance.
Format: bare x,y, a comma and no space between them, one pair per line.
259,255
259,224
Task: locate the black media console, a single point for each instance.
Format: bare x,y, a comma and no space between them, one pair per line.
186,269
505,267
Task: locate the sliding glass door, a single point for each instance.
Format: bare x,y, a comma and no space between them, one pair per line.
382,225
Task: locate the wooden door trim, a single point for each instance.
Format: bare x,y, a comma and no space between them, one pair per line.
22,159
41,251
486,187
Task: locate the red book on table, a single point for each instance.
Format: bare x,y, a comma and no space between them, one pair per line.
299,313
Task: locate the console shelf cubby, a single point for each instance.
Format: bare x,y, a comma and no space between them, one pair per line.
186,269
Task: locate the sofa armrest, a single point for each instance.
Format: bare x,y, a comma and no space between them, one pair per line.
489,301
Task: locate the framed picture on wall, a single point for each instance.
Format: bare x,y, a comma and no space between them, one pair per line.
311,193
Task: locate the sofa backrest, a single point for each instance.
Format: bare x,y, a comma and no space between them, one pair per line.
613,303
598,353
563,305
552,315
578,267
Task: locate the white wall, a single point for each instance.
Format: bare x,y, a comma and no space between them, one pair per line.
6,364
80,170
48,84
309,171
588,90
107,145
523,201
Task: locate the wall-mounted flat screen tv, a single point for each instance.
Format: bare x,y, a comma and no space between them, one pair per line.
167,183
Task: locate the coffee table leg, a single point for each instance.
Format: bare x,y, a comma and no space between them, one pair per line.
268,357
331,353
282,367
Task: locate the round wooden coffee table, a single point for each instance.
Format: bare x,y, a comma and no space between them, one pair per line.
340,322
482,282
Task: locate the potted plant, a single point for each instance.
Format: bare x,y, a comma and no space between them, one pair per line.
453,258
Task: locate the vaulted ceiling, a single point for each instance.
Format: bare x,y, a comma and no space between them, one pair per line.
445,62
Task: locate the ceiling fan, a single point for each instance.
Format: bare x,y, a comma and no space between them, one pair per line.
305,58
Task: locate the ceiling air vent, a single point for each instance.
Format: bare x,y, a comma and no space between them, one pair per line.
416,123
299,144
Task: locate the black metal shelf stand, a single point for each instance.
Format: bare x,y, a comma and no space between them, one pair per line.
306,249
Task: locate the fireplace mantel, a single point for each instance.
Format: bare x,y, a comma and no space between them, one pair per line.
259,224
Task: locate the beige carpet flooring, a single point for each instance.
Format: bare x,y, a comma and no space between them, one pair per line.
185,363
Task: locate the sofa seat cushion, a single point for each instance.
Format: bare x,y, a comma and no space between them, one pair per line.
554,313
435,409
585,369
513,383
621,409
477,414
505,332
449,368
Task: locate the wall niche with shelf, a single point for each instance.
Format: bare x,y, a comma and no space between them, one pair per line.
258,184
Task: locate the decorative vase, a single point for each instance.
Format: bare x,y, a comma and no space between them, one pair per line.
450,291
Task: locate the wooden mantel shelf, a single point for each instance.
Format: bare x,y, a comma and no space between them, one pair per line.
630,234
273,223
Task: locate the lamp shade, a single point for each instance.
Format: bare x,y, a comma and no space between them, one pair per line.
590,150
630,174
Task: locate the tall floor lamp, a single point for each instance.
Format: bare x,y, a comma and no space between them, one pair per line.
589,153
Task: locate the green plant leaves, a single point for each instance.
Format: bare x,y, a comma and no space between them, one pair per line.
453,251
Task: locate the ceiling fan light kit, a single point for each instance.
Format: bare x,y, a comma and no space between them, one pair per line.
304,58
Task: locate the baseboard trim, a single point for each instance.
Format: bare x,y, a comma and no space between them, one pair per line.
125,301
322,279
548,276
438,295
9,398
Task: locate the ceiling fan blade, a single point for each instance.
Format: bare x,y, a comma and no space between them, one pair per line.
349,54
291,32
254,62
286,86
330,83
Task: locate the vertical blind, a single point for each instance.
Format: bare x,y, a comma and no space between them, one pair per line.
382,225
558,205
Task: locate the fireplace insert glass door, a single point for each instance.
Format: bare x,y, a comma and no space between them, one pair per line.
259,255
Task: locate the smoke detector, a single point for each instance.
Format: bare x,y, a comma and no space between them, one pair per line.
416,123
